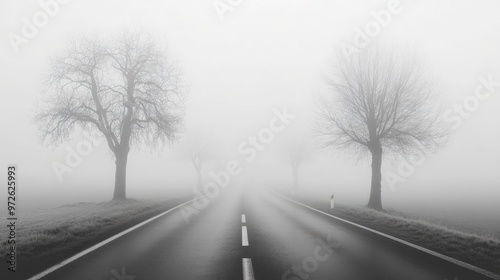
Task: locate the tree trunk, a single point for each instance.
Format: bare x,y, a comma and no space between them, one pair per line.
120,175
375,201
199,188
295,178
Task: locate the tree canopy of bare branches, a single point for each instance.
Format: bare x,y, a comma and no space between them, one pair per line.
124,87
380,102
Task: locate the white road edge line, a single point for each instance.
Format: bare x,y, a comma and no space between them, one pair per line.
433,253
247,269
244,236
243,218
102,243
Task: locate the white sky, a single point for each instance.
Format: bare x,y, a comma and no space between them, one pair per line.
264,55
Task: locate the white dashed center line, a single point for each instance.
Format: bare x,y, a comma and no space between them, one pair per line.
247,269
244,236
246,262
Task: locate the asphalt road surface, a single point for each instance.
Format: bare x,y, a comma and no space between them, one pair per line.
254,234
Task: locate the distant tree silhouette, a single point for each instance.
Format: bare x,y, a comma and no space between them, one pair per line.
380,102
296,152
198,148
124,87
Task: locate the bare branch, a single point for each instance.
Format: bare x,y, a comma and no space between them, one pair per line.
380,99
124,87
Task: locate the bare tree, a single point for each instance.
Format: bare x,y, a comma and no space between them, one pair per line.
296,152
124,87
380,103
198,148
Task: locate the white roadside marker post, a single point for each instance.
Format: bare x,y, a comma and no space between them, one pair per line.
332,204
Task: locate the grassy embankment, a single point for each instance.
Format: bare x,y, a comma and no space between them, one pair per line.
481,250
57,233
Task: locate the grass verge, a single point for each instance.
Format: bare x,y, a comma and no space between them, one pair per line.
47,237
479,250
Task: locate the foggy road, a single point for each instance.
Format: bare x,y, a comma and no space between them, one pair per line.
147,140
254,234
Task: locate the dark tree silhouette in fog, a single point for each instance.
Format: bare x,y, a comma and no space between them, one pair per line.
296,152
380,102
124,87
198,148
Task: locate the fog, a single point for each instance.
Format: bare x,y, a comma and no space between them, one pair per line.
264,56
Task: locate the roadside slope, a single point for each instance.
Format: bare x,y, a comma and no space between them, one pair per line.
480,251
48,237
